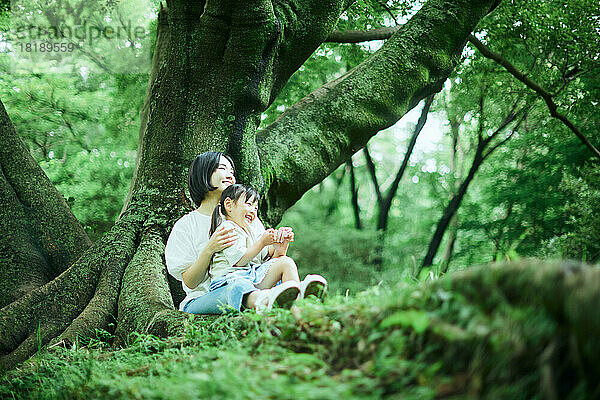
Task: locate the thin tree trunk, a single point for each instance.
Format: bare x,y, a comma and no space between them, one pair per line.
386,205
450,210
354,194
333,204
454,129
384,202
377,259
452,233
452,207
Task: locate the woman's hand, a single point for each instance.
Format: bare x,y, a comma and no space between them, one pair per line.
221,239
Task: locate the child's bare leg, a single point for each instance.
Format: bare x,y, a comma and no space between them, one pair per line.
250,299
282,268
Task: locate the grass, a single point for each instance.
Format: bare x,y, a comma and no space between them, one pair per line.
412,341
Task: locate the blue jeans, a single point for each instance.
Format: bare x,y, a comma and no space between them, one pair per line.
218,301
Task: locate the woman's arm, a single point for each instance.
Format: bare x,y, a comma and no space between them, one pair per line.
196,273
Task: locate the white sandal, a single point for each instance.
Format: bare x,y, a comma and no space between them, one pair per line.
313,285
282,295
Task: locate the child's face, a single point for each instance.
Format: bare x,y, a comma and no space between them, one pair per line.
243,211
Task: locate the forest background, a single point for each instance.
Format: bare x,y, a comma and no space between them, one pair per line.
483,167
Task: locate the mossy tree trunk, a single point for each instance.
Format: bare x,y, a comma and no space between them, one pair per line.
217,66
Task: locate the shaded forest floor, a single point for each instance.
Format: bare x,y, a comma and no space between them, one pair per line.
465,335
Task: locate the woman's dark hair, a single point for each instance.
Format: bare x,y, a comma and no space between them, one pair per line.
234,192
200,172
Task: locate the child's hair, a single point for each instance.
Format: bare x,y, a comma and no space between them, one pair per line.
234,192
201,171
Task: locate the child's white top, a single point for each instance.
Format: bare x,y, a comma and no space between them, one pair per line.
224,261
186,241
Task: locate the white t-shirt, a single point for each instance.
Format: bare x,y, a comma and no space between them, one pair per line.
186,241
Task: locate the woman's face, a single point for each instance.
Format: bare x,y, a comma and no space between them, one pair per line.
223,175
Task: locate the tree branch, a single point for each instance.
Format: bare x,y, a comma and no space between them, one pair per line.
545,95
507,138
320,132
355,36
305,25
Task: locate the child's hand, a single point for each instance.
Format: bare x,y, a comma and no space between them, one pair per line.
285,234
268,237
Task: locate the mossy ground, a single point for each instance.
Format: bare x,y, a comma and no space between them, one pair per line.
412,341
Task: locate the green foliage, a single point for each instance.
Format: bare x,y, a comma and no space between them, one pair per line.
94,185
74,109
343,255
583,207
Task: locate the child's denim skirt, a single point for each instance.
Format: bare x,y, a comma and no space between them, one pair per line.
253,273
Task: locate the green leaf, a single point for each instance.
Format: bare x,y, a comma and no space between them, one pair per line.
417,320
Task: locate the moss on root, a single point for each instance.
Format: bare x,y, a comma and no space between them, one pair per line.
145,303
54,306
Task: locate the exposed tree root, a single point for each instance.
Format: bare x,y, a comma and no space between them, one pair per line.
101,311
33,343
63,299
145,302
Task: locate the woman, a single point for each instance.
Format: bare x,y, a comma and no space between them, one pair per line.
189,250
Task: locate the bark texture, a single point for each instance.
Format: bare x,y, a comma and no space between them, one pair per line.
40,235
218,65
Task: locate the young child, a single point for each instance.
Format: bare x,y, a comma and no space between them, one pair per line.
259,257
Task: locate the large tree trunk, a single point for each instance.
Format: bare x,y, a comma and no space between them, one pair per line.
217,67
40,235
